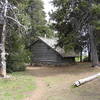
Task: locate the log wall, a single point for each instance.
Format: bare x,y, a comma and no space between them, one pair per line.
42,53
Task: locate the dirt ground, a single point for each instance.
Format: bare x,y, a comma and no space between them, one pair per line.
55,83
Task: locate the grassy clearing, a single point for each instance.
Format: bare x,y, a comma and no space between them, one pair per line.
18,87
60,83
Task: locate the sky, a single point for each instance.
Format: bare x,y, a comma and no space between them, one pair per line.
47,7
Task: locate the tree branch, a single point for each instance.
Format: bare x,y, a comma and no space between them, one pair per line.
16,21
1,2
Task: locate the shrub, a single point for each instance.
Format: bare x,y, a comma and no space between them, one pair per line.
18,54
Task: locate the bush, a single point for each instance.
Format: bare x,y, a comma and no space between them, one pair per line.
16,61
15,66
12,67
18,54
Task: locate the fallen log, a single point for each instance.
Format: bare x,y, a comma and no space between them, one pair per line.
85,80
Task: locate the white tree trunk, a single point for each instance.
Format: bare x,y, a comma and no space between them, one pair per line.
82,81
3,37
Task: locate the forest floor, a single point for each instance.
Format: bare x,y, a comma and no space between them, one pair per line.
55,83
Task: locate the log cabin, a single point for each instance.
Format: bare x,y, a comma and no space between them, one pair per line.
44,51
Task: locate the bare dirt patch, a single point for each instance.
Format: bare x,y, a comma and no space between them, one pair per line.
55,83
40,91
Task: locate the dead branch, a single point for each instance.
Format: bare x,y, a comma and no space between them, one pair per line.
16,21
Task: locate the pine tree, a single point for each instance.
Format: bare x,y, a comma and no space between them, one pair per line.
74,18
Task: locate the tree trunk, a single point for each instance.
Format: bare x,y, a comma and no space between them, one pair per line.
94,55
81,56
3,37
82,81
89,56
89,52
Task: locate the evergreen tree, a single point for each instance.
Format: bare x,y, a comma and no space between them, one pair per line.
11,43
74,23
24,21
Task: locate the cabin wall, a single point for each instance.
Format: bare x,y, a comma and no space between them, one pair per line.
69,59
42,53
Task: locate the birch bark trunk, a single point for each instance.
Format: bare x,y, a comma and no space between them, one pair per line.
3,37
85,80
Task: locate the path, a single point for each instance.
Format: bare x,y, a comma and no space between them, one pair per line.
41,88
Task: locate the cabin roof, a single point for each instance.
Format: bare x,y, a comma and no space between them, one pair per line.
52,44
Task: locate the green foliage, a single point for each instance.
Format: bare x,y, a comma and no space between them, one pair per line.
37,16
18,55
68,43
30,13
96,9
71,19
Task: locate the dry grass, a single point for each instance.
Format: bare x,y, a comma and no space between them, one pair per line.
60,86
18,87
59,82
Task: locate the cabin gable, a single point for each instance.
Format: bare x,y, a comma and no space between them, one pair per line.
42,53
